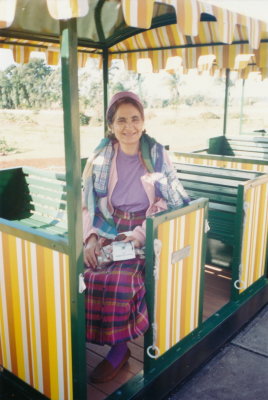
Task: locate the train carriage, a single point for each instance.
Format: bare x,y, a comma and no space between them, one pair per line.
193,308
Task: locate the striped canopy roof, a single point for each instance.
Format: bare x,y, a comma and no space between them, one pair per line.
137,29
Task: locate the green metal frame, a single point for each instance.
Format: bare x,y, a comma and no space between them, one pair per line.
226,98
238,235
74,209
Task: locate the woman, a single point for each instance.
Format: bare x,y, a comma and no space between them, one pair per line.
129,178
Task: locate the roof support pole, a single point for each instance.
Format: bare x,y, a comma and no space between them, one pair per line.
242,107
226,98
105,72
68,31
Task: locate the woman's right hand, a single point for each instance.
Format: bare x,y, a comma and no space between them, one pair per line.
91,252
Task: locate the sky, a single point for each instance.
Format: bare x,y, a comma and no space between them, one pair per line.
253,8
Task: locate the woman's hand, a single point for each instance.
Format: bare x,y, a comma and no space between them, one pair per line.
91,251
131,238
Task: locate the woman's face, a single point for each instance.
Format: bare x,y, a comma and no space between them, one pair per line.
127,125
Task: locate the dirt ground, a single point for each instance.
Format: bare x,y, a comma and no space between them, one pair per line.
36,138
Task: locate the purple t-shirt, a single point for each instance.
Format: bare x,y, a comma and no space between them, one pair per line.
129,194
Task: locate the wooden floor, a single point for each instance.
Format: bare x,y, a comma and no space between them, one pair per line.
216,294
217,289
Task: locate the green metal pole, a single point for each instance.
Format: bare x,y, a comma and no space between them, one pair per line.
105,71
227,81
73,181
242,107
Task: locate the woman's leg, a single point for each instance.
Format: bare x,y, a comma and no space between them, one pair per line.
111,365
117,354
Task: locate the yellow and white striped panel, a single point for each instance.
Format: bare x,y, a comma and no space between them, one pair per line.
254,244
7,12
170,36
221,163
178,286
138,13
35,326
66,9
262,55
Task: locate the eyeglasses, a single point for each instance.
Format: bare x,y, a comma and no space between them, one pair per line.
124,121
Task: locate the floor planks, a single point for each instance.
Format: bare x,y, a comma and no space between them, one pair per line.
217,288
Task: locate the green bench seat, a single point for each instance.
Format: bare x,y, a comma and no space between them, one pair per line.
224,189
34,200
250,153
255,147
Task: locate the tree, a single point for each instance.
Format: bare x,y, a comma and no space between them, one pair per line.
28,86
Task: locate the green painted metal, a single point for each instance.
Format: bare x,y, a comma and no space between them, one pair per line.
226,98
183,46
16,228
98,20
238,237
12,207
215,145
203,261
74,211
151,233
105,73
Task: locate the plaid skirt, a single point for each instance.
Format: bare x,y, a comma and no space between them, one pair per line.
115,294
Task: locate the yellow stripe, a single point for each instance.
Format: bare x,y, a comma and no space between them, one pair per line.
27,310
44,312
180,222
51,322
66,9
68,325
174,288
16,307
189,261
75,8
145,13
64,326
200,219
162,285
254,231
32,314
3,328
262,227
127,11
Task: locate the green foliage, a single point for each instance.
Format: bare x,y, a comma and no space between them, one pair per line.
84,119
29,86
37,86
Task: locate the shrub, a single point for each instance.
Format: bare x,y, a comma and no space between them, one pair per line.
84,119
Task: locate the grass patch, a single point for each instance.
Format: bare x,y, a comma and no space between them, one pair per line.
5,148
